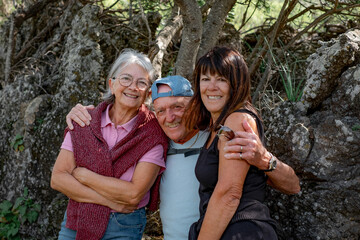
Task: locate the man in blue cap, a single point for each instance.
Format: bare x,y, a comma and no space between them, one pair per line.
179,199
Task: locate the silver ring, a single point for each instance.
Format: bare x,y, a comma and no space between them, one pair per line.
240,148
240,156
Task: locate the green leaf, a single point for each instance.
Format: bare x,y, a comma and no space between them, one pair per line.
16,145
5,205
29,202
13,230
356,127
26,191
18,136
3,230
11,217
32,216
22,210
18,201
21,148
37,207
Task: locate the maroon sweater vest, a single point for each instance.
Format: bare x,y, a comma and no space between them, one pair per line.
91,151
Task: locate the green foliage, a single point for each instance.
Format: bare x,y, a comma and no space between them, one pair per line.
201,2
293,86
18,143
257,13
38,123
12,216
125,9
356,127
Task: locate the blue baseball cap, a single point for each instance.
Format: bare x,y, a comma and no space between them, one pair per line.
180,87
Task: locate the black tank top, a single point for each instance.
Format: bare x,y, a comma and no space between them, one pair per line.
206,171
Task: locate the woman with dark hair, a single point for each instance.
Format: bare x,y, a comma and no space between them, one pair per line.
231,192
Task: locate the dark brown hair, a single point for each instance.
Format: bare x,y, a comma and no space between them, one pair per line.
227,63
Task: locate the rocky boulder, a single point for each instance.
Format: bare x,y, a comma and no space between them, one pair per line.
320,138
67,67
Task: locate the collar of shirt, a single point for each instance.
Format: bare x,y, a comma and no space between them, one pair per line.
105,120
188,137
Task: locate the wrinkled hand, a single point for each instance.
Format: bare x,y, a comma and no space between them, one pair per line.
251,147
80,115
80,173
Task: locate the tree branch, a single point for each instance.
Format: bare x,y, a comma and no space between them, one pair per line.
258,54
112,5
9,51
163,40
208,4
312,7
40,35
244,20
146,21
32,11
213,25
283,13
316,21
191,37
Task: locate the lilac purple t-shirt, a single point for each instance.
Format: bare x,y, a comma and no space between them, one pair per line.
113,134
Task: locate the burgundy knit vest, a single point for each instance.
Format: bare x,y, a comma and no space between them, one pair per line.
91,151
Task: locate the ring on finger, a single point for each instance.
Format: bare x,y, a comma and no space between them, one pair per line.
240,156
241,148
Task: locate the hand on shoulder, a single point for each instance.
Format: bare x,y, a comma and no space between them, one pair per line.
80,115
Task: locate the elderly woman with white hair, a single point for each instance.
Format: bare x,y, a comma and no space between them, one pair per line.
108,168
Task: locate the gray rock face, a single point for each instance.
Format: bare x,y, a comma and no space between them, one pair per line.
67,67
326,66
28,109
320,138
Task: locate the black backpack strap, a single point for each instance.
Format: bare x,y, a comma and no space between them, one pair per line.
186,151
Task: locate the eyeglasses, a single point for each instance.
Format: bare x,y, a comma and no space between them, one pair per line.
226,131
126,80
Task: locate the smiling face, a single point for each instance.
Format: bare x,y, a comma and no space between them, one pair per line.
215,93
131,97
169,113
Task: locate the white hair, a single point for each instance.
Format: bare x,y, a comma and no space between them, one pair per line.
128,56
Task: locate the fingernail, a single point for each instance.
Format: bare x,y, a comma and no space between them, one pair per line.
82,124
227,155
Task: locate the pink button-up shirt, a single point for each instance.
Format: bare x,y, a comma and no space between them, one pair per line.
113,134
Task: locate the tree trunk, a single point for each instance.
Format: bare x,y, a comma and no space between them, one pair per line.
163,40
191,37
213,25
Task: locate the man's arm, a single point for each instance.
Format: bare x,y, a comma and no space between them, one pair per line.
283,178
